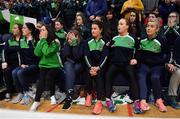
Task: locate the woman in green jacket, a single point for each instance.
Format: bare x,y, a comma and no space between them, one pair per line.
47,50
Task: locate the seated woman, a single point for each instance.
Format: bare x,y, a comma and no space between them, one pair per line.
174,67
73,57
21,75
151,62
122,60
50,64
11,59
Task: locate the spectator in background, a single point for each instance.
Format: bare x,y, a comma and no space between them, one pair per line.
136,29
115,6
153,15
132,4
42,7
37,31
111,23
106,30
69,9
171,30
166,7
95,8
150,5
56,8
81,25
59,31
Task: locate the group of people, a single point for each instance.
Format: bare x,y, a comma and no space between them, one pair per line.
97,49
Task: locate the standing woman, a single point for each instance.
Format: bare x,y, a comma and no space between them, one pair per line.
47,50
96,54
151,62
122,60
11,59
73,56
22,75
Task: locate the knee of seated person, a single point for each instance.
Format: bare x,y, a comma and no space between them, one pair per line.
178,71
14,72
155,77
20,72
68,64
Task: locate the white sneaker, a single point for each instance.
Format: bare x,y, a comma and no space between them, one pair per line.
34,106
18,98
53,100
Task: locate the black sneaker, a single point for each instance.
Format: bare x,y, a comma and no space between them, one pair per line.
67,104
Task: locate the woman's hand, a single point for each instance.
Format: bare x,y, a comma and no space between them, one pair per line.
70,37
171,67
133,62
96,68
4,65
93,71
24,66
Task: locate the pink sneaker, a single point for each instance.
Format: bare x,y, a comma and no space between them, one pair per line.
97,108
144,105
88,100
160,105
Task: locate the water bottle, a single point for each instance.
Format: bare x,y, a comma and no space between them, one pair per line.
151,97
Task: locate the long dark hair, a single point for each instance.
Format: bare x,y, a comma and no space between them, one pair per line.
137,31
20,26
31,27
51,33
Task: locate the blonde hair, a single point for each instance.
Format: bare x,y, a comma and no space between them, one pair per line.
156,21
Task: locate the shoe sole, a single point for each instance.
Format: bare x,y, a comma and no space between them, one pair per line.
69,107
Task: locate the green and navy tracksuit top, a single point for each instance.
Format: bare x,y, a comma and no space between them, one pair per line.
122,50
27,51
48,53
11,52
152,51
61,36
96,52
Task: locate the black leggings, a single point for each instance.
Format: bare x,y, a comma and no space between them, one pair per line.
126,70
99,84
47,79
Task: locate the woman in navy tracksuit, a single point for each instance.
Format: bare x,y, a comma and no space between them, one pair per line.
151,62
11,59
96,54
73,57
28,65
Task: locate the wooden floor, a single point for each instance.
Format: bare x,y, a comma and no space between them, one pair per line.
122,110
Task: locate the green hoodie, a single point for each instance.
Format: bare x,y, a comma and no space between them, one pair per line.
49,54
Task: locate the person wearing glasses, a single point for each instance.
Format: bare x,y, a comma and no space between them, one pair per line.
172,33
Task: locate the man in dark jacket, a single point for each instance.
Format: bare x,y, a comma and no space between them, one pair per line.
95,8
